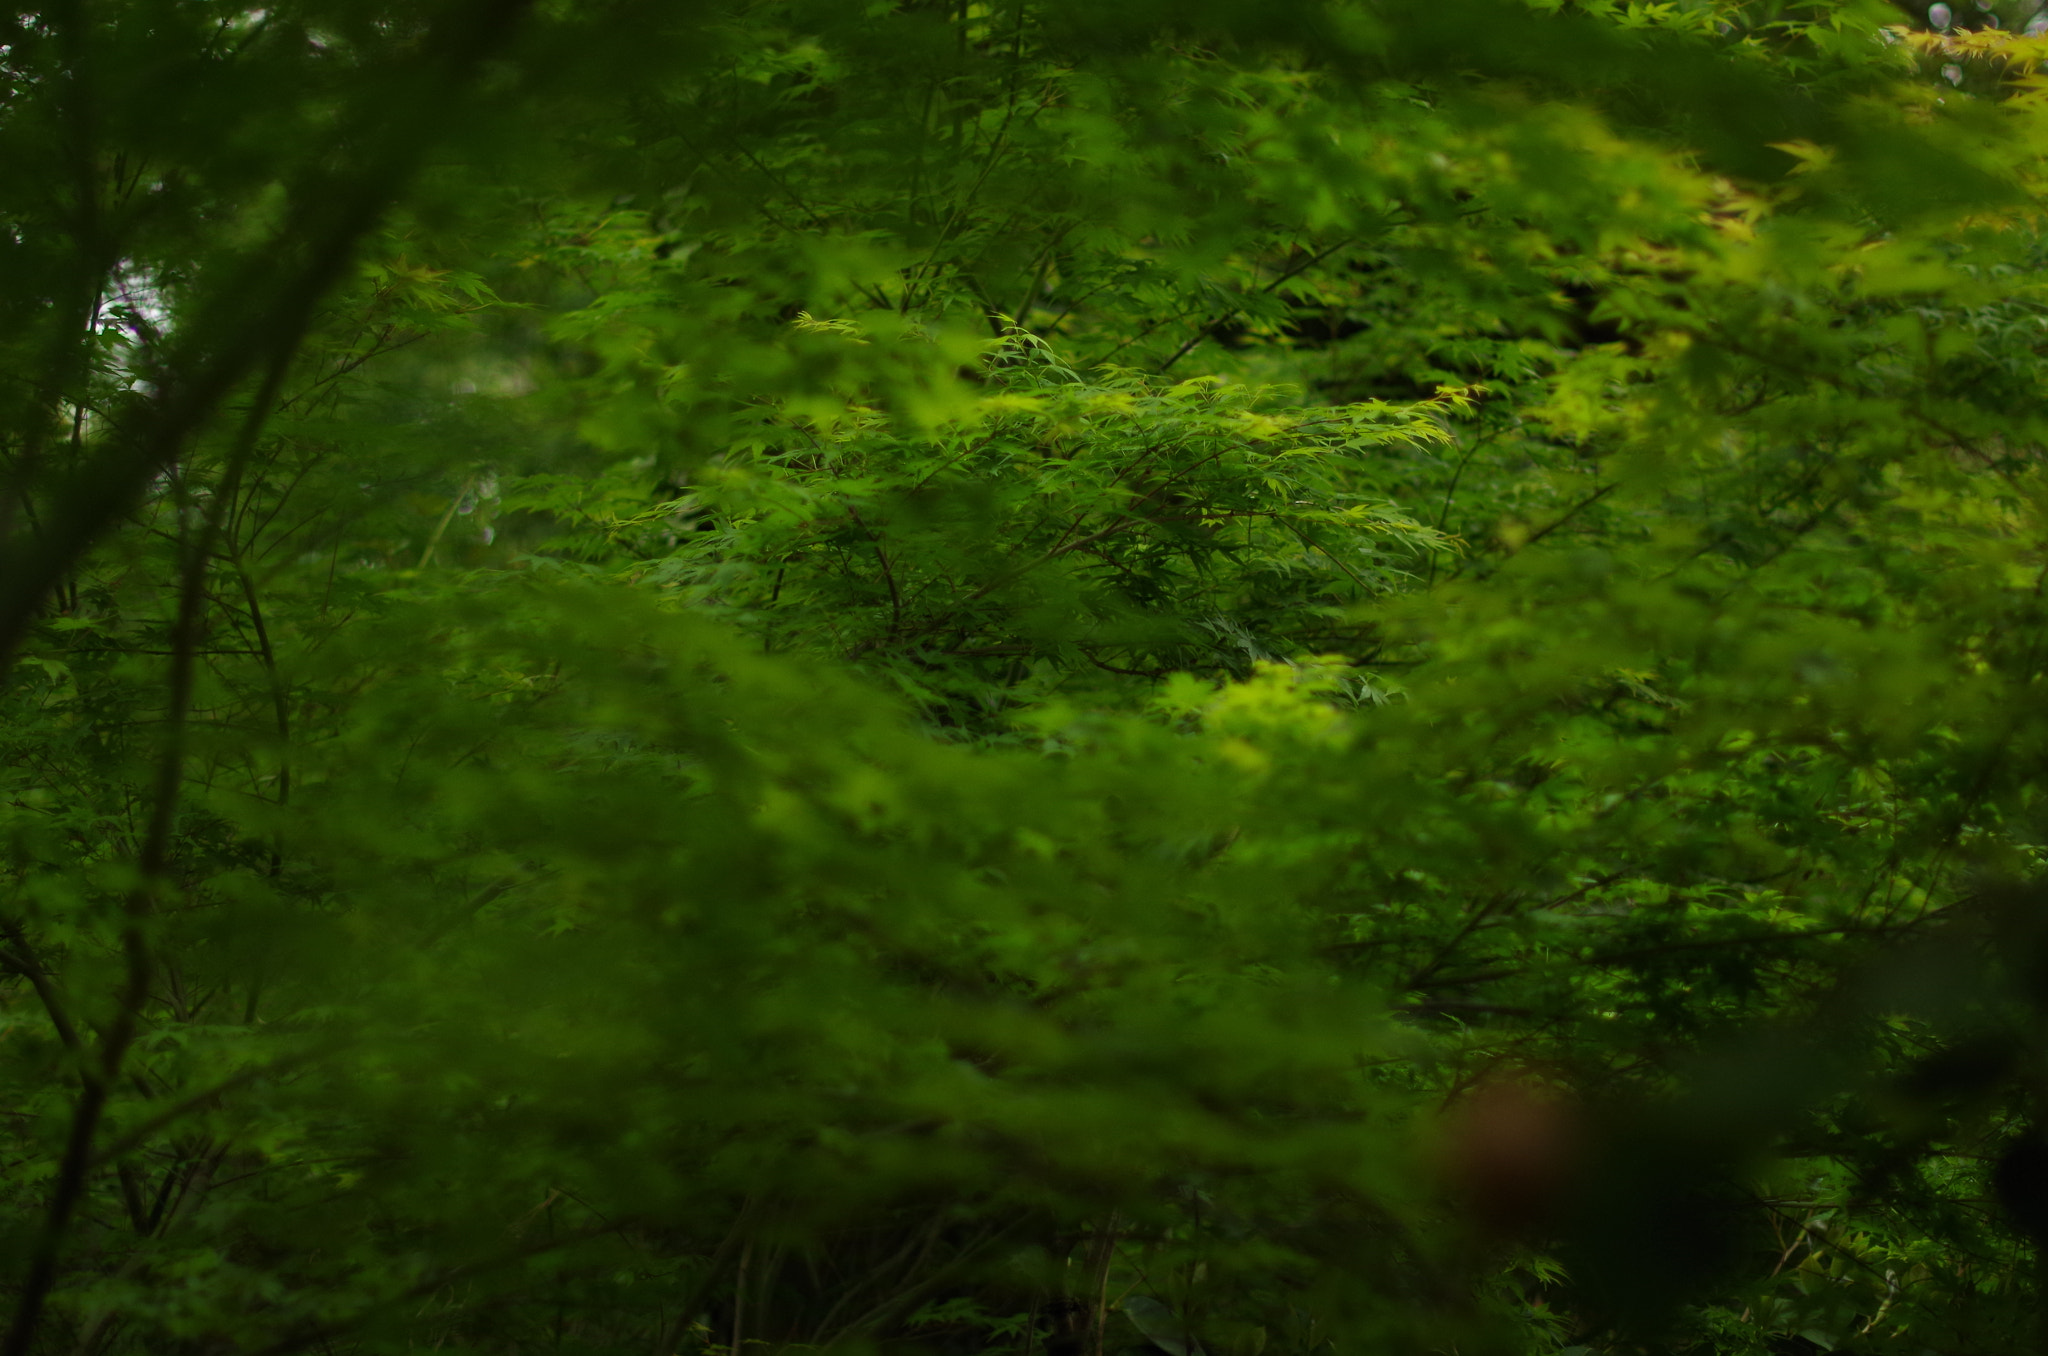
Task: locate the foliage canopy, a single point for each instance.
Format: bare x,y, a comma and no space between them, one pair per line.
1022,676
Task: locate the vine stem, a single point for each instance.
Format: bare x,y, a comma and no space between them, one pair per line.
1105,1252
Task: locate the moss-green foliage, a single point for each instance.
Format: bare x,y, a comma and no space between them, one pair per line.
1021,678
1058,525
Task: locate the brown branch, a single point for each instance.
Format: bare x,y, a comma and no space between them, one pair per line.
322,1333
74,1170
24,962
140,1135
228,337
1696,944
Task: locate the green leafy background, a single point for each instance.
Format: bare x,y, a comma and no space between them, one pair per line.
1030,678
